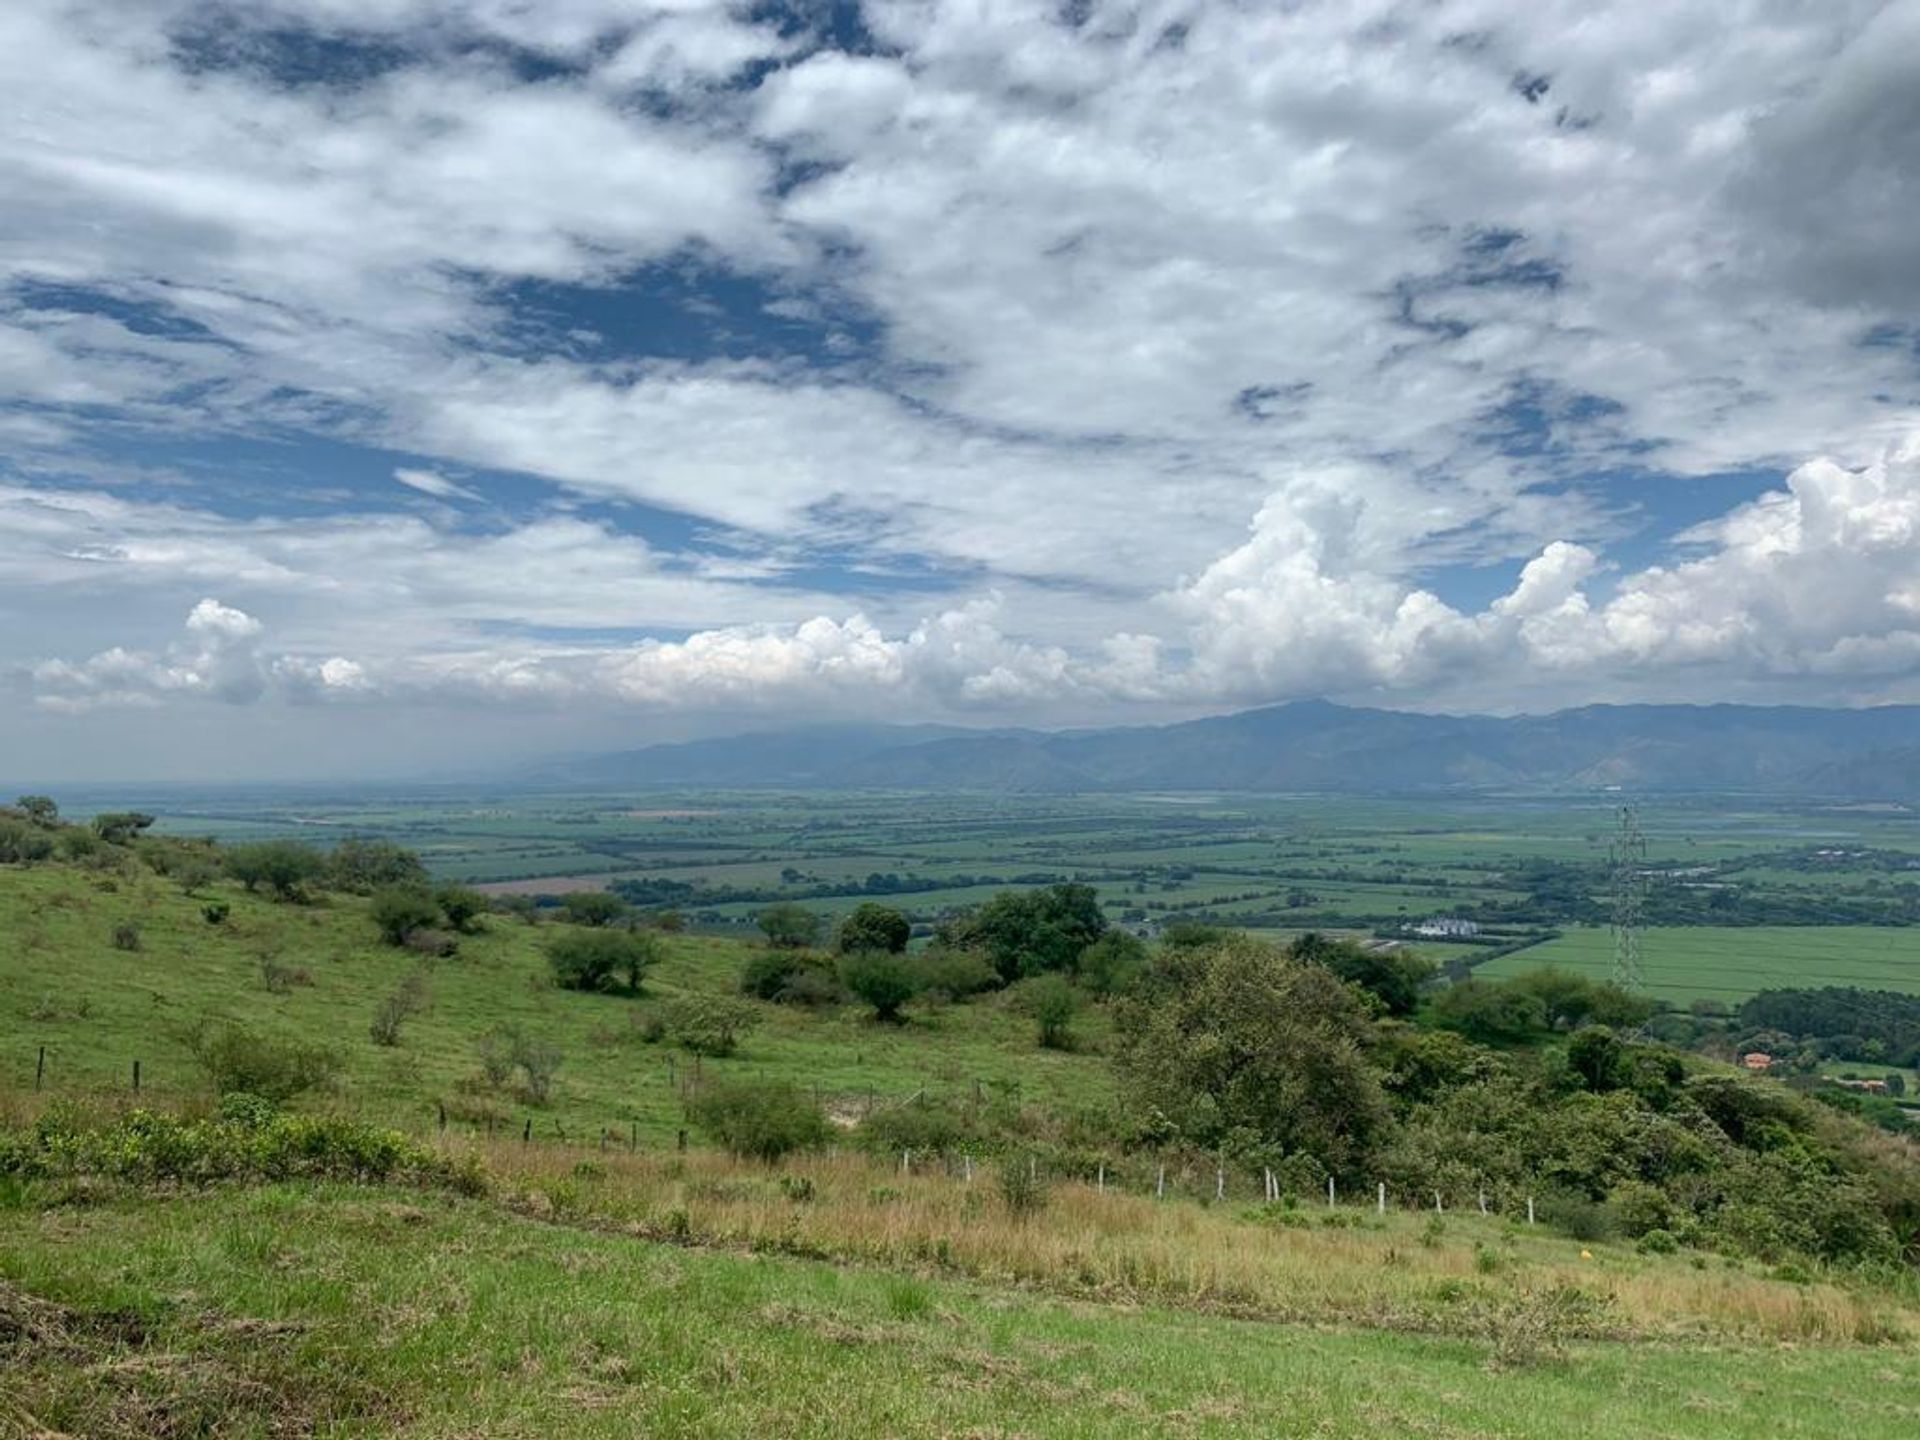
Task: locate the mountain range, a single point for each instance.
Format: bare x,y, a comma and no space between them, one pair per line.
1317,746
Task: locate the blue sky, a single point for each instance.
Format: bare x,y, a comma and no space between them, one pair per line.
605,370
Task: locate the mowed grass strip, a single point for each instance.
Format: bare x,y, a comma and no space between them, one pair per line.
347,1312
1683,963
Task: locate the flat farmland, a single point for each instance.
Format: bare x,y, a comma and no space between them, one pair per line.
1684,963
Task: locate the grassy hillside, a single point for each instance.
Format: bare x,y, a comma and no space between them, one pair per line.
336,1310
97,1009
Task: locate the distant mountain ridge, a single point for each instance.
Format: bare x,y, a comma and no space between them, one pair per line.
1318,746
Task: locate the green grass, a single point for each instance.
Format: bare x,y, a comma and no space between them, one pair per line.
1690,962
346,1312
97,1009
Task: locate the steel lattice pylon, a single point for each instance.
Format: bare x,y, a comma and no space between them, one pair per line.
1629,854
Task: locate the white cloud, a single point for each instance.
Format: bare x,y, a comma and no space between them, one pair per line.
1203,336
429,482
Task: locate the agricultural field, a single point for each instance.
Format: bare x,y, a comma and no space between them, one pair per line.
1741,893
1685,963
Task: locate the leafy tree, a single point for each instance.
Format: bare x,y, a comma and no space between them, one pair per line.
592,959
1570,1001
119,827
1596,1055
362,866
789,926
40,810
1490,1012
1053,1002
709,1024
761,1120
401,910
1107,965
462,907
785,975
1394,976
285,866
407,1000
873,926
1248,1049
884,980
592,907
1032,932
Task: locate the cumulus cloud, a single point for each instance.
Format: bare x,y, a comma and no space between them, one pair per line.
1818,582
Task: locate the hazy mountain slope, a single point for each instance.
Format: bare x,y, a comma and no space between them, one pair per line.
1317,746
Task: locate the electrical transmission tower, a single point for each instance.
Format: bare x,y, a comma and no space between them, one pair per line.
1629,855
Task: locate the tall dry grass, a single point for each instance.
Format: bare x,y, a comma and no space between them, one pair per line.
1467,1274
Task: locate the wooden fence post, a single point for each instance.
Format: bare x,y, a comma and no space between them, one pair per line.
1329,1192
40,1068
1160,1185
1381,1202
136,1077
1529,1210
526,1135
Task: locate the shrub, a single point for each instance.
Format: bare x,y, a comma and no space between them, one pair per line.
789,926
1658,1242
119,827
873,926
433,944
789,977
407,1000
1022,1190
592,907
954,974
363,866
279,979
286,867
495,1051
1107,965
193,873
763,1120
248,1141
462,907
884,980
709,1024
126,936
1578,1217
591,959
215,912
1051,1001
509,1049
399,910
22,843
235,1058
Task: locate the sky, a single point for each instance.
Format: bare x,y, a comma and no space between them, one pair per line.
391,386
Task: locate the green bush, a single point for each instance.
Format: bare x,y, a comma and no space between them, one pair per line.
462,907
285,867
709,1024
596,958
399,910
592,908
215,912
789,977
363,866
1052,1002
126,936
238,1059
873,926
789,926
249,1141
763,1120
884,980
954,974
